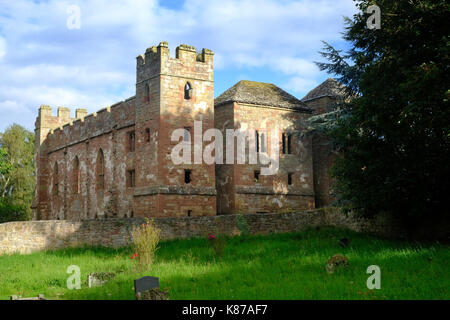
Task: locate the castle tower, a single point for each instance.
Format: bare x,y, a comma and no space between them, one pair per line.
44,125
172,93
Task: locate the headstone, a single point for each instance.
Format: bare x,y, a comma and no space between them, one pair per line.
145,284
97,279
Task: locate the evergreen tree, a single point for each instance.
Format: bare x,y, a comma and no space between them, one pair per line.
395,137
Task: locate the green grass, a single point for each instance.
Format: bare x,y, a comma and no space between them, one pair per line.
279,266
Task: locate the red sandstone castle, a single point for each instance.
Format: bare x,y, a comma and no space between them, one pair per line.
117,162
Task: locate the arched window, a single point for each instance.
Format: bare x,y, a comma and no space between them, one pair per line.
147,93
76,176
56,180
100,170
188,91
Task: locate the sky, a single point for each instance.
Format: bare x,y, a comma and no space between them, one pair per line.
46,59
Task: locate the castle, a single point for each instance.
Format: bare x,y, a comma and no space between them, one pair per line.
117,162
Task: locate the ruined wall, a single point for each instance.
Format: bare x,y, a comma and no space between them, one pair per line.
29,236
79,142
136,176
271,193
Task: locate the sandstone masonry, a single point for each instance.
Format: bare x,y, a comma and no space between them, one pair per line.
116,163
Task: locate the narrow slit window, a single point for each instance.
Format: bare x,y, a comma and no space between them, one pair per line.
131,141
187,176
100,170
289,144
147,134
290,179
283,141
56,180
76,176
147,93
187,91
257,140
131,178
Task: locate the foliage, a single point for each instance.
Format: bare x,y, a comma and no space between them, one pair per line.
217,244
242,225
5,166
17,172
395,142
145,243
12,212
277,266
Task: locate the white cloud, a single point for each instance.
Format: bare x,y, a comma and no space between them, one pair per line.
298,84
2,47
43,62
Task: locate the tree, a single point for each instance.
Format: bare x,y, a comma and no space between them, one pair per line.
395,137
17,173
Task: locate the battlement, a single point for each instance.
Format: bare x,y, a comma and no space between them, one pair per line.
157,60
62,129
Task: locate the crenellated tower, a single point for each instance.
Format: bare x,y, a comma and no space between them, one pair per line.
172,93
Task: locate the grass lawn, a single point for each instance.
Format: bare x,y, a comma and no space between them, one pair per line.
278,266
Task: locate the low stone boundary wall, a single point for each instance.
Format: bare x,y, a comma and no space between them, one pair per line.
29,236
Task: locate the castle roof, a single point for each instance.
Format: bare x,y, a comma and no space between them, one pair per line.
262,94
328,88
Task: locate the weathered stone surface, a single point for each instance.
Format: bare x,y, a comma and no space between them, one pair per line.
97,279
115,163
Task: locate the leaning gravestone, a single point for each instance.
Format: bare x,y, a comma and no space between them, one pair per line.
97,279
147,288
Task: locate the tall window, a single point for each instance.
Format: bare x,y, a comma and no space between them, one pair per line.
76,176
131,141
147,134
187,176
287,143
56,180
100,170
188,91
147,93
257,140
131,178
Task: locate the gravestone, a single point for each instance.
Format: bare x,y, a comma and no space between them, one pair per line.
147,288
97,279
145,284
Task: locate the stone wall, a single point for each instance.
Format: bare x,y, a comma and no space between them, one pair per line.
29,236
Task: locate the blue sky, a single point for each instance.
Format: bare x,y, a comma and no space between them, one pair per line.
44,62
